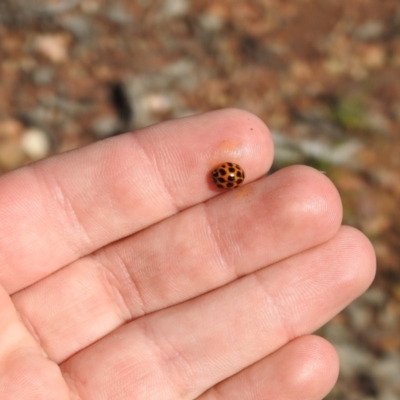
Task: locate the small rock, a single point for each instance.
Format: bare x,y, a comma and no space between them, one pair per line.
375,297
119,15
43,75
374,56
301,70
211,22
386,178
337,332
155,95
176,8
360,316
387,370
53,46
388,316
90,6
378,122
370,30
335,66
157,103
55,7
182,74
78,25
352,359
151,107
35,143
106,126
10,128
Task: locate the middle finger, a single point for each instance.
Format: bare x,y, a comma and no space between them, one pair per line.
187,255
182,351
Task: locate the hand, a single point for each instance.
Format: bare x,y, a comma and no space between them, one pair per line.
127,275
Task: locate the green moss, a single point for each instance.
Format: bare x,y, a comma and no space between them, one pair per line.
351,113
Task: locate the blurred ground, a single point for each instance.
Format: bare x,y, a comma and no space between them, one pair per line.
324,76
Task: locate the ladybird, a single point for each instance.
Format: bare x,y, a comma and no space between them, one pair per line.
228,175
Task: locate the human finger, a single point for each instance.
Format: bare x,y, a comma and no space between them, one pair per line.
25,371
182,351
187,255
304,369
60,209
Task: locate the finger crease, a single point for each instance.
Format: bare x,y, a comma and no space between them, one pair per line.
215,235
160,173
57,193
275,310
171,360
127,282
31,329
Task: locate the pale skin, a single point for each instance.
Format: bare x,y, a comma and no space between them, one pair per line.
127,275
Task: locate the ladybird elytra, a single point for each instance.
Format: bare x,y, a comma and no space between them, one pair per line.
228,175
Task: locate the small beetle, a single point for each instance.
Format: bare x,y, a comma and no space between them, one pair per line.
228,175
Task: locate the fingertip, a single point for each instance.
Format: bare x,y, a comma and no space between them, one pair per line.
256,129
320,194
304,369
314,200
243,138
356,246
317,366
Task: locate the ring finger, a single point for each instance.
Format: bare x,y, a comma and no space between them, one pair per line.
185,256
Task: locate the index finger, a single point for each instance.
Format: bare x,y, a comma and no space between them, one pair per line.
58,210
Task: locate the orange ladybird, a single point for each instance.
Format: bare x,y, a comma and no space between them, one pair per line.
228,175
